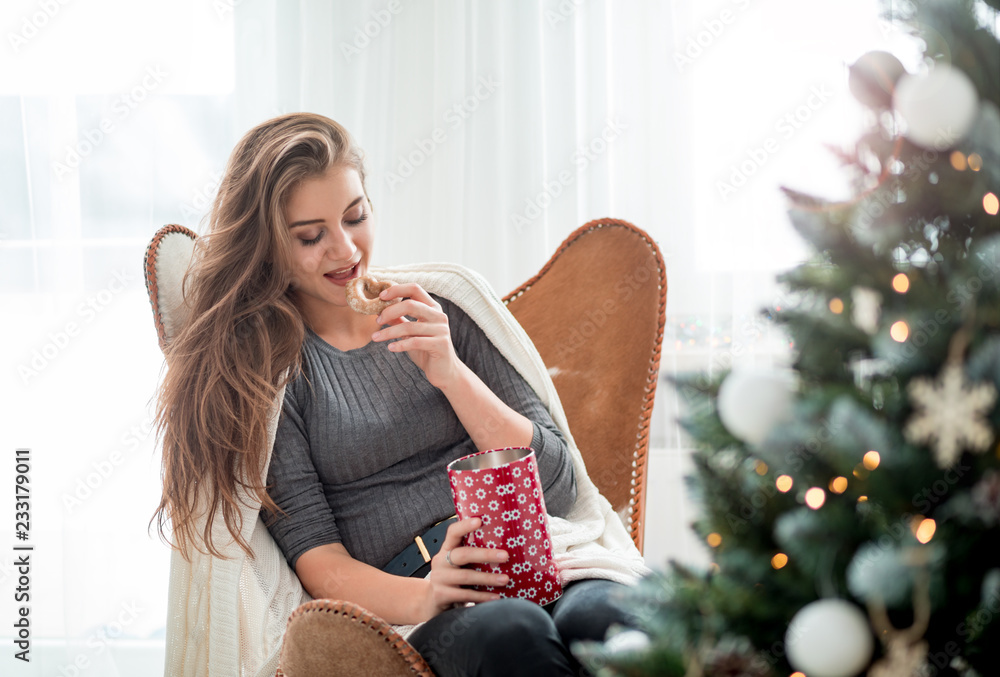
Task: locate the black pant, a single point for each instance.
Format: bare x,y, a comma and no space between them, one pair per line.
514,637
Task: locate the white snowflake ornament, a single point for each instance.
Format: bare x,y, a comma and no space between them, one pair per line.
950,414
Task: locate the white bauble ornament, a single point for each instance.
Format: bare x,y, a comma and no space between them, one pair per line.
873,78
829,638
938,107
752,400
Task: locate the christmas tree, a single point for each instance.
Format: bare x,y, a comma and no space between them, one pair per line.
851,505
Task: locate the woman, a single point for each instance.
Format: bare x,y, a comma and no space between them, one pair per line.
373,410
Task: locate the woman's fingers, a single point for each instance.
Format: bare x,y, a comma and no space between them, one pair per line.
427,341
471,555
412,307
465,554
452,596
452,581
457,531
409,290
424,343
458,576
453,555
405,329
416,303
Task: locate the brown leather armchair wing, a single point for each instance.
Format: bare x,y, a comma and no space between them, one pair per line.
595,312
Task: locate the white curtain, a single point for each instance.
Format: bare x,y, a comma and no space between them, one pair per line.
491,131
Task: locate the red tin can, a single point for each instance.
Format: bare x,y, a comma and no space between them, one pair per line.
502,487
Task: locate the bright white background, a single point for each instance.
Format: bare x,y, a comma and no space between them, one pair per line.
117,116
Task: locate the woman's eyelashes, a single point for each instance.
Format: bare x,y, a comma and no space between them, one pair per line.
361,219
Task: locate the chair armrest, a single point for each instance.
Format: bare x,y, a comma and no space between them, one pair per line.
333,637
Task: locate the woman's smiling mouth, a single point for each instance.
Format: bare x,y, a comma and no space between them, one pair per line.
343,276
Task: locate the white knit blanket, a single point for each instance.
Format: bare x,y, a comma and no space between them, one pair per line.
227,617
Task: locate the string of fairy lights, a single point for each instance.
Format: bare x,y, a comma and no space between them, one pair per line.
923,528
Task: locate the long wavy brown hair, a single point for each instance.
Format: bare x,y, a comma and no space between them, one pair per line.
243,334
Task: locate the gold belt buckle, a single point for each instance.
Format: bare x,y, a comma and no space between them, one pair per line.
422,548
420,541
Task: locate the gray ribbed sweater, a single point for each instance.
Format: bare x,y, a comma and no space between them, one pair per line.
363,442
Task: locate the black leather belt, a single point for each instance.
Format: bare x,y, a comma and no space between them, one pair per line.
415,559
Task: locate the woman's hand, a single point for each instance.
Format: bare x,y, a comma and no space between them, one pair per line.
490,421
445,580
428,340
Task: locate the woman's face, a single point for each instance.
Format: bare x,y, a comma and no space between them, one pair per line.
331,225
